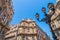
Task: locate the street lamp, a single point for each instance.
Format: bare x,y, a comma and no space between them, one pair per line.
50,5
47,18
37,16
44,11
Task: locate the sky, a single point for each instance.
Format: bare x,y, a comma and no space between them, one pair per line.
27,9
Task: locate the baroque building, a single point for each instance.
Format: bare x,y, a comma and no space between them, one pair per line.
6,13
26,30
55,20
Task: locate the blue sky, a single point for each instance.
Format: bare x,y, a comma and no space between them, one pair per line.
27,9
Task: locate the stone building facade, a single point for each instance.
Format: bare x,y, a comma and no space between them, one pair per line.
55,20
26,30
6,13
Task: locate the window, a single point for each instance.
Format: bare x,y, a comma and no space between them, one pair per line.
58,33
33,38
20,29
0,8
54,26
32,24
11,14
58,19
28,29
29,38
23,37
34,30
6,21
3,16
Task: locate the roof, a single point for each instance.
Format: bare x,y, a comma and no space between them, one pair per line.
28,20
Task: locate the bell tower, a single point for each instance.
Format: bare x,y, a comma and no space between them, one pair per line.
6,14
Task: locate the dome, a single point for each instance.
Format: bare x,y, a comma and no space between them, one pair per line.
27,22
